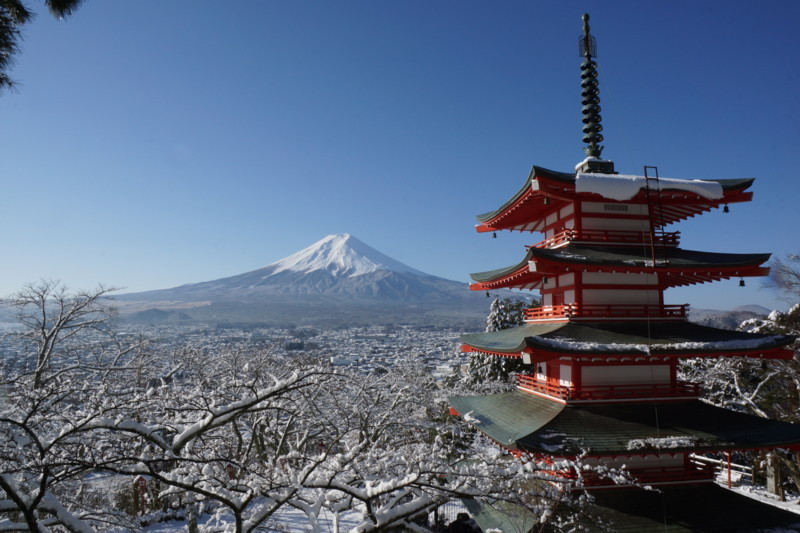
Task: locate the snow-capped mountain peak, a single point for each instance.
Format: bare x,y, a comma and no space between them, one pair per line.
342,256
339,271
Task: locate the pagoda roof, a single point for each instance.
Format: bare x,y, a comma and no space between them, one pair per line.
676,266
528,423
670,509
549,340
688,508
679,199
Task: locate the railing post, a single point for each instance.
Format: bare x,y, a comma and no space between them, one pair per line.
728,454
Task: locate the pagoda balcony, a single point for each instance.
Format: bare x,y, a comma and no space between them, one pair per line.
695,472
597,393
606,312
612,237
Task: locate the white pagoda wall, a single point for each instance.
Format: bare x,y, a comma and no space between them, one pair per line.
623,217
619,297
625,375
633,462
615,224
618,278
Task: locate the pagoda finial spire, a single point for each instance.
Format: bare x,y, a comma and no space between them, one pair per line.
590,94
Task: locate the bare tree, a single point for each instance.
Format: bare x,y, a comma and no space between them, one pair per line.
243,434
52,317
785,277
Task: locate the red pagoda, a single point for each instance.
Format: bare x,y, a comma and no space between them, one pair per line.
600,355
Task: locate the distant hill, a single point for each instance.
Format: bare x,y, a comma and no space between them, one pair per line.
753,308
727,319
338,278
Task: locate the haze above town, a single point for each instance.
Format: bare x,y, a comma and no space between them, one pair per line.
179,142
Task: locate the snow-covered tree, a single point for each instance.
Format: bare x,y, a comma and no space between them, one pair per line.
506,313
769,389
491,371
57,323
48,436
242,434
785,277
766,388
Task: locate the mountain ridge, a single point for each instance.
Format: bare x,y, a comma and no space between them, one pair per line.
338,271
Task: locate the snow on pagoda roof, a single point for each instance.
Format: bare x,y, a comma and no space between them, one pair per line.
689,507
624,338
530,423
527,203
676,265
623,187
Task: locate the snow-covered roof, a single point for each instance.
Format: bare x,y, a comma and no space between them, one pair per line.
675,338
623,187
689,507
527,204
526,422
691,264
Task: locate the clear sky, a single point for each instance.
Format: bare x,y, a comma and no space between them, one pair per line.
157,143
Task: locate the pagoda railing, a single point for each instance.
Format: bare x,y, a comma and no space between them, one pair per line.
601,312
691,470
681,389
647,476
618,237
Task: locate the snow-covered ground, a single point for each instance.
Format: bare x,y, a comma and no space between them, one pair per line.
791,503
291,520
294,521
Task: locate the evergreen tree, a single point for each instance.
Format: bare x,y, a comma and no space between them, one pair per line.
13,15
486,369
505,313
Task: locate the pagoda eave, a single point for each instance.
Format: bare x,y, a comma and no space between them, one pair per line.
537,354
604,340
466,348
539,425
674,266
545,191
524,279
547,354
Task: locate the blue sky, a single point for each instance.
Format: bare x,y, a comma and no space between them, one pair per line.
173,142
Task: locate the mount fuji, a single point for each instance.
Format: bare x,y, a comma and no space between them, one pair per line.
338,272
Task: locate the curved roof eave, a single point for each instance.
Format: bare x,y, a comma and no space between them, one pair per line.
665,338
627,256
512,340
526,422
535,172
491,275
569,178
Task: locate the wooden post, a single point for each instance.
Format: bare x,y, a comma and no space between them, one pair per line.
141,485
728,453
